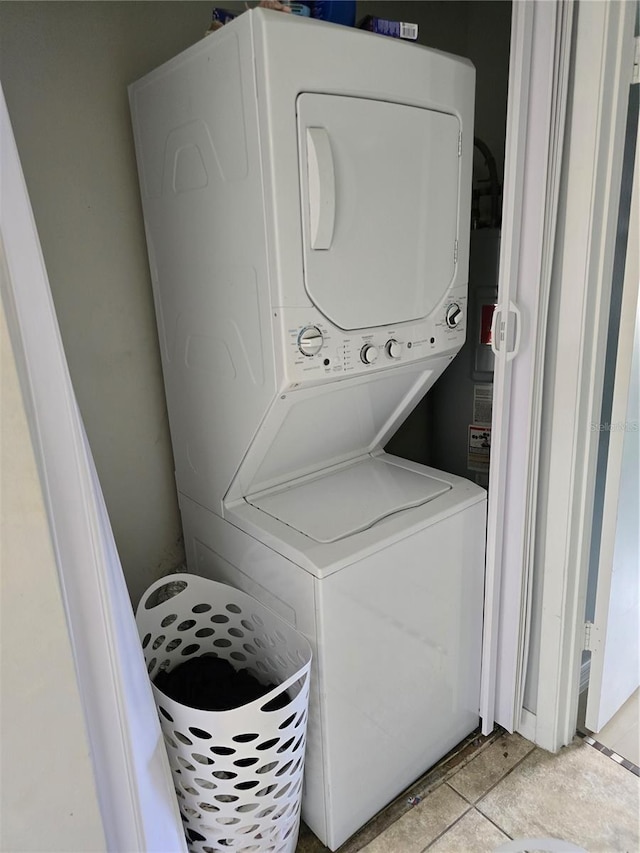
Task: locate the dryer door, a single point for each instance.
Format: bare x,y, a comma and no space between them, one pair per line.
379,185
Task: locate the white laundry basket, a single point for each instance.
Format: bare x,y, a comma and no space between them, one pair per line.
237,773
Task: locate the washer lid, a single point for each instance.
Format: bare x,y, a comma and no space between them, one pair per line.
343,502
380,186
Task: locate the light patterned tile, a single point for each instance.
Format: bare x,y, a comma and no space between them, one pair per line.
473,833
622,732
487,768
626,717
418,827
628,745
578,795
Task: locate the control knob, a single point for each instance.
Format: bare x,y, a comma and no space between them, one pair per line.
453,315
369,354
393,348
310,340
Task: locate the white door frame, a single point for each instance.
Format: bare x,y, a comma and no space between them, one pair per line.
576,345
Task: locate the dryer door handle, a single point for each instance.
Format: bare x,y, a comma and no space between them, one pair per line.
322,188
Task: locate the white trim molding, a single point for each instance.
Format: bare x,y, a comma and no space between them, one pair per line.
527,725
601,71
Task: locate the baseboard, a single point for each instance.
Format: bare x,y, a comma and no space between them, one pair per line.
527,727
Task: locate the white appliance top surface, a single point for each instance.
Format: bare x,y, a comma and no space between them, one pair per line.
343,502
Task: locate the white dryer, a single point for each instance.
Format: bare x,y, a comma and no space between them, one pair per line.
306,192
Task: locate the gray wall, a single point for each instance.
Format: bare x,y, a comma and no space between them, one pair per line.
64,68
477,29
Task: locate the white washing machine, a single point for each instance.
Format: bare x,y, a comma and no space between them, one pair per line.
306,192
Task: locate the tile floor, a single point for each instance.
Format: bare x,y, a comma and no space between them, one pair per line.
622,732
501,788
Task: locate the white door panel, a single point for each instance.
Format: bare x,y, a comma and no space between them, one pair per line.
540,39
601,69
615,655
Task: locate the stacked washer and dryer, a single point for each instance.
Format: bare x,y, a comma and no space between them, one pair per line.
306,193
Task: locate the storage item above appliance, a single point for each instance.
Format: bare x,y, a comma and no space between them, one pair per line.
337,11
385,27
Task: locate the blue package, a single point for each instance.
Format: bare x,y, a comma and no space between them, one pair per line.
220,17
384,27
300,9
336,11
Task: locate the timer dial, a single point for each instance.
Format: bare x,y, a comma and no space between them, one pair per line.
369,354
393,348
453,315
310,340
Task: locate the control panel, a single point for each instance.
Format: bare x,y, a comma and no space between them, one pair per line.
317,351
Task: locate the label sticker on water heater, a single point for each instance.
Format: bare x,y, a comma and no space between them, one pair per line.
482,404
479,448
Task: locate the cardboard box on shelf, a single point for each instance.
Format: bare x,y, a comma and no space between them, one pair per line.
384,27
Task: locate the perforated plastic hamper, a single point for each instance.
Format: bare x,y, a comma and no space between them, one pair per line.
238,773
